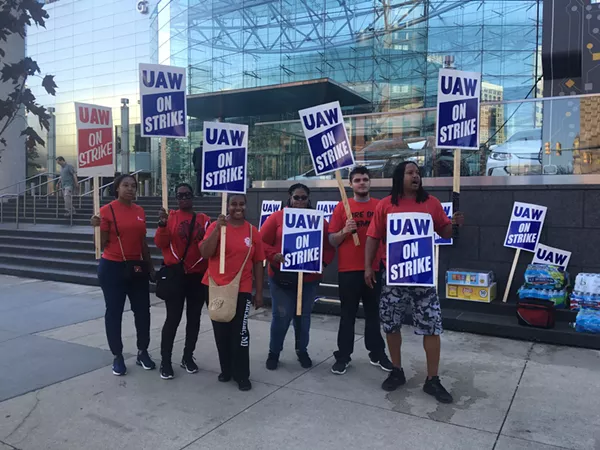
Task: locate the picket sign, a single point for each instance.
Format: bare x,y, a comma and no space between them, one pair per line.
457,125
302,245
163,110
523,233
95,151
439,241
329,145
224,166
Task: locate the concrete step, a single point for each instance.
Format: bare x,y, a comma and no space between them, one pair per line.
56,274
49,251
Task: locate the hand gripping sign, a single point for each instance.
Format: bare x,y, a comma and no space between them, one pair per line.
302,245
327,208
224,163
95,151
328,145
410,250
267,208
524,229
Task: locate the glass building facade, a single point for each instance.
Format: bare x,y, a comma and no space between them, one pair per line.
387,53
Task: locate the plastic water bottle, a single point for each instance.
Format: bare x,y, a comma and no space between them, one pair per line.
588,321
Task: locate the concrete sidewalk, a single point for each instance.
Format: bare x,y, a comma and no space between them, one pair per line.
57,390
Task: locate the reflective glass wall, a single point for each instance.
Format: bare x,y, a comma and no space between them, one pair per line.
388,51
93,48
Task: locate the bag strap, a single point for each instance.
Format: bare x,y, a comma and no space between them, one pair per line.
117,230
239,274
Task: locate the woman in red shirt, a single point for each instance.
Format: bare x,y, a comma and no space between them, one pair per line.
173,237
233,338
283,286
120,276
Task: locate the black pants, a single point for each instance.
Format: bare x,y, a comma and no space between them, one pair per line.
116,288
233,341
352,289
194,294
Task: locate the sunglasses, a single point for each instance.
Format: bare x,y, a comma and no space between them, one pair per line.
299,198
183,195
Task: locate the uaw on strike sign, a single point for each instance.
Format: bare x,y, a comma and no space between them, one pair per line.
458,109
95,149
162,101
525,227
410,250
327,139
302,241
224,157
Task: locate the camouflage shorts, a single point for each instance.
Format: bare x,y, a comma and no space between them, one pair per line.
426,311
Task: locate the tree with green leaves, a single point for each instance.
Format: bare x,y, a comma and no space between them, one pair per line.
15,17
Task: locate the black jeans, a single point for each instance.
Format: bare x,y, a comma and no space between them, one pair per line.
352,289
194,294
116,288
233,341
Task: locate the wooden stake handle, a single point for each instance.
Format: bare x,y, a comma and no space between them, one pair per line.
456,188
223,229
96,194
511,275
163,174
299,296
338,177
436,266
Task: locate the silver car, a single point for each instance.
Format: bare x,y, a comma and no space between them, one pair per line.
519,155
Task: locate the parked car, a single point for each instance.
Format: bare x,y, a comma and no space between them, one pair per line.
519,155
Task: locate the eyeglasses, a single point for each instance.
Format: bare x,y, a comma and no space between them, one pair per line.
299,198
183,195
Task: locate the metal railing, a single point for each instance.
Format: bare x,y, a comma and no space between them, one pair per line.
2,207
106,185
45,174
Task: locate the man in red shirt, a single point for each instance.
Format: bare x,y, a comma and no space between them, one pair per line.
408,195
351,268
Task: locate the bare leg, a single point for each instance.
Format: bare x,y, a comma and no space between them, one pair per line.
432,345
394,341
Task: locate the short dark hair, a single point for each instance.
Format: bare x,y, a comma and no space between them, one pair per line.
120,179
60,158
359,170
187,185
398,184
236,194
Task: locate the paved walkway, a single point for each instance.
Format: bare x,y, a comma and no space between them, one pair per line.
57,390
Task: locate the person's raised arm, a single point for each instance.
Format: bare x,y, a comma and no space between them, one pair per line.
268,232
208,247
162,237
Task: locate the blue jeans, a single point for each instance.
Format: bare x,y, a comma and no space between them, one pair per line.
284,310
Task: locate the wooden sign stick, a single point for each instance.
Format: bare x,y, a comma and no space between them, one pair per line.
299,296
338,177
456,188
223,229
163,173
96,194
436,266
511,275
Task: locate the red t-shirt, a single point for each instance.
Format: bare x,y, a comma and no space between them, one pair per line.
431,206
350,257
131,221
173,239
272,235
237,242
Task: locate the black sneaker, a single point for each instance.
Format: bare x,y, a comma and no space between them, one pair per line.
394,380
339,368
434,387
244,385
119,369
384,363
224,378
144,360
189,364
272,361
166,370
305,360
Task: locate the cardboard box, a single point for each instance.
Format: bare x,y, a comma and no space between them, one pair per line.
469,277
485,294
